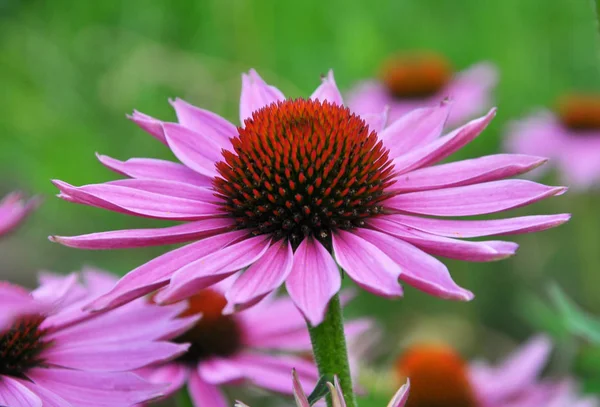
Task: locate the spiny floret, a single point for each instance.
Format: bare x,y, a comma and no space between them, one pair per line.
580,112
21,346
303,167
415,75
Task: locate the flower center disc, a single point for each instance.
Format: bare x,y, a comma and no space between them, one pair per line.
580,112
438,377
416,75
21,346
214,334
302,168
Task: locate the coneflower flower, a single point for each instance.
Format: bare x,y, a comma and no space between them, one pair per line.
420,79
52,354
571,137
305,187
337,398
13,210
441,378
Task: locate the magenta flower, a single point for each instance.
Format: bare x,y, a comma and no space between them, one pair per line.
13,210
53,354
571,138
260,345
416,80
305,187
440,377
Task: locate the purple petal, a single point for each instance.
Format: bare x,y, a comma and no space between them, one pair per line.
137,202
205,122
299,395
443,147
478,228
328,91
213,267
130,238
376,121
152,168
491,250
173,189
205,394
401,396
150,125
419,269
13,393
219,371
314,279
256,94
414,129
156,273
466,172
48,398
173,374
262,277
13,210
367,265
14,302
196,150
478,199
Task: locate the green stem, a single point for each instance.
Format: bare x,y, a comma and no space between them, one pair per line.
329,346
183,398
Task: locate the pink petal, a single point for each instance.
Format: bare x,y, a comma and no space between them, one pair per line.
152,168
121,239
328,91
175,375
137,202
204,394
443,147
466,172
48,398
299,395
475,199
13,210
197,151
491,250
16,301
478,228
95,389
376,121
401,396
156,273
367,265
314,279
414,129
213,267
205,122
419,269
256,94
150,125
219,371
263,276
13,393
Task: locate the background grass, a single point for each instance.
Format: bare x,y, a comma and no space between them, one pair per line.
70,71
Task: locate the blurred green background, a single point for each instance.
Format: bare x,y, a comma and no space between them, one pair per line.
70,71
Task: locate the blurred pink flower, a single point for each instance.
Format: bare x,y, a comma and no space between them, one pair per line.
303,188
13,210
53,354
570,137
439,375
259,345
416,80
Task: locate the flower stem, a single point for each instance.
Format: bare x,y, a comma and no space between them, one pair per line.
329,347
183,398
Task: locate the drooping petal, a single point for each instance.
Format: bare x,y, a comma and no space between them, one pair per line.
376,121
14,302
443,147
491,250
136,202
263,276
205,122
367,265
466,172
328,91
157,272
48,398
197,151
13,393
152,168
414,129
256,94
314,279
219,370
477,228
478,199
173,374
13,210
149,124
130,238
205,394
212,268
419,269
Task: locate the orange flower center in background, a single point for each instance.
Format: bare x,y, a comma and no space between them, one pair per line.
438,377
580,112
415,75
214,334
21,346
302,168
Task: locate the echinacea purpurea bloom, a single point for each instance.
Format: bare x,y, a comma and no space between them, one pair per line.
302,188
13,210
